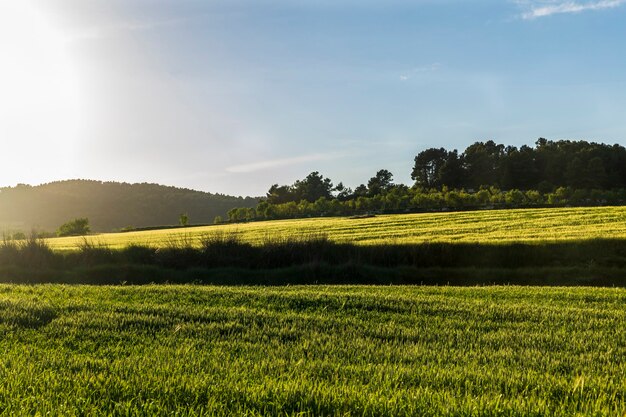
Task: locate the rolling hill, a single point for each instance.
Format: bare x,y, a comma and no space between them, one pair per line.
108,205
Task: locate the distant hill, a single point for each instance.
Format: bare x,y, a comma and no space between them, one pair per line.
109,205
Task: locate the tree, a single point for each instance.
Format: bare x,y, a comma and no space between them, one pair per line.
519,168
233,214
380,183
312,188
263,209
596,174
575,174
451,173
482,162
360,191
183,220
428,163
343,193
279,194
76,227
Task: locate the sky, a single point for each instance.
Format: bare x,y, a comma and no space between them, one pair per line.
232,96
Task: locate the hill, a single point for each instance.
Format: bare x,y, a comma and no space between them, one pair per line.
108,205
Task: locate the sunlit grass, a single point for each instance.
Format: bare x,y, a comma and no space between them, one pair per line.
374,351
487,226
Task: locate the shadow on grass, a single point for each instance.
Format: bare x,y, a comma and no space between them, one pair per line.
226,259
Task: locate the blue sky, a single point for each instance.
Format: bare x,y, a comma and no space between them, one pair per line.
233,96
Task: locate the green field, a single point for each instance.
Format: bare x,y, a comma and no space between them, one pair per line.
485,226
374,351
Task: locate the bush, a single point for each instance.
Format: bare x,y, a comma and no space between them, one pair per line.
76,227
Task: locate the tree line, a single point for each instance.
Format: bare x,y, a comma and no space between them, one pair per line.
484,175
544,167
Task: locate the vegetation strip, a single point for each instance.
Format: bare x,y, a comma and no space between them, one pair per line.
569,246
225,259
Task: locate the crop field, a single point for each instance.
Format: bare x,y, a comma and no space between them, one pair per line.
312,351
485,226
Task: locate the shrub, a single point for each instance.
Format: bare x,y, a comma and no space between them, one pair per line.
76,227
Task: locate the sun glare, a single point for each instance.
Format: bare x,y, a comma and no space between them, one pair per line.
39,94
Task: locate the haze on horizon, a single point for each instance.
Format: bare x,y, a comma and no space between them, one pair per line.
233,96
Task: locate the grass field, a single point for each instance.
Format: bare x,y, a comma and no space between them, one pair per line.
349,351
486,226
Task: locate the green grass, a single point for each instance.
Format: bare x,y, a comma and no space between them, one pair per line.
487,226
312,351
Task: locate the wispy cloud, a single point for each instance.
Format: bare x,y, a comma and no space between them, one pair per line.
535,9
112,29
277,163
420,70
153,24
